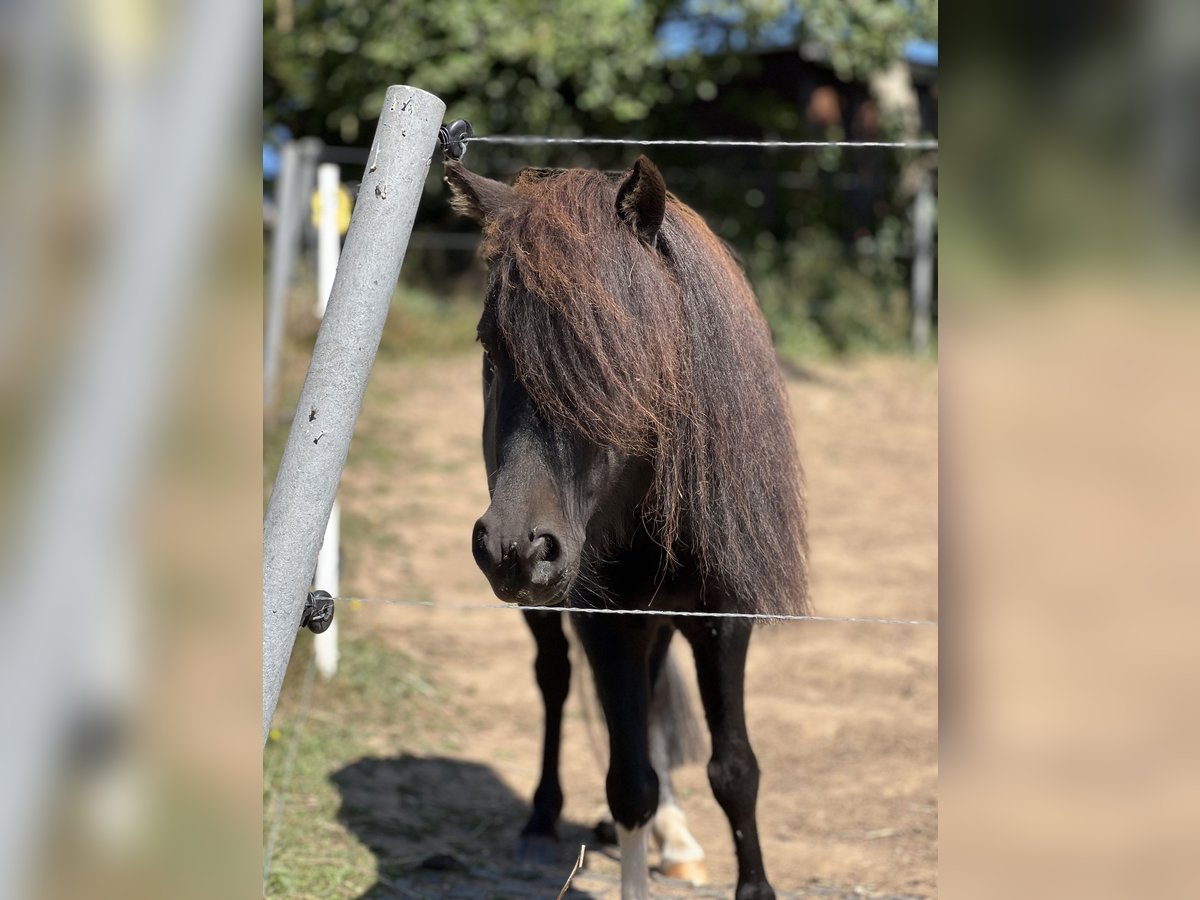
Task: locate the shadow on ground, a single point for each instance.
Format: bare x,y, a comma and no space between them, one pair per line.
441,827
448,828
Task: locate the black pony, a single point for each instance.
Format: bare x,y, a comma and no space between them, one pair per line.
639,456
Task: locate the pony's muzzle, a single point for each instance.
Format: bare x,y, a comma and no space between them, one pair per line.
522,565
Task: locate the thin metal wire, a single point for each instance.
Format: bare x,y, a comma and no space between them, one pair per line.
288,765
527,139
635,612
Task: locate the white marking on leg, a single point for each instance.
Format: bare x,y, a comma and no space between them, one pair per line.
682,855
671,833
635,864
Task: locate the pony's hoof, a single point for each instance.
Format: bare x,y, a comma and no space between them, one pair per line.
758,891
693,871
541,849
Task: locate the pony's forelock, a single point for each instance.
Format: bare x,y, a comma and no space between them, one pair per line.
659,351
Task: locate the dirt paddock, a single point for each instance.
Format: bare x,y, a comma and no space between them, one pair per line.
417,762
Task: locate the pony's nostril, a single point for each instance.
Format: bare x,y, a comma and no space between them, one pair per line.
543,559
544,547
479,547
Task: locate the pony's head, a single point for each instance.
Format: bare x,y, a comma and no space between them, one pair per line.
629,382
559,488
555,494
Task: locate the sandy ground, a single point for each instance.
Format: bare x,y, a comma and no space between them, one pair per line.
843,716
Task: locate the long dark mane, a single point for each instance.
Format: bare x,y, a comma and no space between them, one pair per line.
660,351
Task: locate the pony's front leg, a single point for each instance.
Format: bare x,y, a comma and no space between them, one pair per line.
619,653
539,837
720,647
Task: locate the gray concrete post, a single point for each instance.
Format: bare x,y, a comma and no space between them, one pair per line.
310,156
285,241
347,341
924,212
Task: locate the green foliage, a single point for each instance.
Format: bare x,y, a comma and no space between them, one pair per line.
822,231
527,65
818,297
513,66
421,323
342,726
866,36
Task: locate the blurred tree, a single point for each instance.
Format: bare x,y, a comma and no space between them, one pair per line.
866,37
514,66
530,64
866,40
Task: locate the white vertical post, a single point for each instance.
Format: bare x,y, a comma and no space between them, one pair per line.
341,364
325,644
635,867
922,279
329,241
329,245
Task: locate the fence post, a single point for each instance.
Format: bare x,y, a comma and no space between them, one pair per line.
325,644
329,239
922,278
341,363
327,578
311,149
284,243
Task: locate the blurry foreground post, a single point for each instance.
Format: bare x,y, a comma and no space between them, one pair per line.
92,457
922,279
337,377
284,244
329,241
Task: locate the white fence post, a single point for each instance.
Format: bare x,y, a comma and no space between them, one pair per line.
345,350
329,245
327,577
329,239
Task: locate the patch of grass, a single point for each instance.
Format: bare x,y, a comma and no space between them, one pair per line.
422,324
825,299
369,708
380,453
359,532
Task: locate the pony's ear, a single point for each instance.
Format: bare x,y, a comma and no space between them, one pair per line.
642,199
473,195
